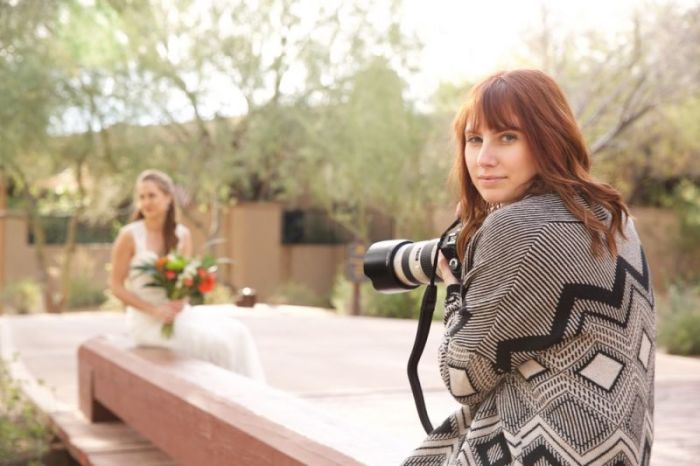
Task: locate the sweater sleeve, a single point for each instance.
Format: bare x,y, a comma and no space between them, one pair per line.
453,301
508,309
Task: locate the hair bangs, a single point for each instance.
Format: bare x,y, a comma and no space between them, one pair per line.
494,106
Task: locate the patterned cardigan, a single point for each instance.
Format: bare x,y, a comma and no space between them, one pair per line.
549,350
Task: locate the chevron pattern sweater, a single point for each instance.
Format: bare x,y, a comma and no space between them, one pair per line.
548,349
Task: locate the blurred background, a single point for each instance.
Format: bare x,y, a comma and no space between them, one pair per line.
300,131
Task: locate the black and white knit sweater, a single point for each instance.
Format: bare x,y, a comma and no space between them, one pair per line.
549,350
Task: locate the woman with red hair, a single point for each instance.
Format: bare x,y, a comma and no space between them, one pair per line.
549,341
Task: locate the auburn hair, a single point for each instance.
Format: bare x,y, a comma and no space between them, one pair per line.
166,186
532,102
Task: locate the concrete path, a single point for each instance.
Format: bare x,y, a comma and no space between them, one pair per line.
353,368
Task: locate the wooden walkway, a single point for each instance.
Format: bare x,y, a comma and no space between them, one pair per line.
353,368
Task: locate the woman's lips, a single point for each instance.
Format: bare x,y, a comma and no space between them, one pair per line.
490,180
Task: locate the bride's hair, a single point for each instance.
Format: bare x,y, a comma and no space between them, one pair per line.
166,185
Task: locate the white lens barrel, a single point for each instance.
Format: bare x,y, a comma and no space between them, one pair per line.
413,263
398,267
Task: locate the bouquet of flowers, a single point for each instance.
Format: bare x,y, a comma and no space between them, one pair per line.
182,278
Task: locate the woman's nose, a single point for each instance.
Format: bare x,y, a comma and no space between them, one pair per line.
486,157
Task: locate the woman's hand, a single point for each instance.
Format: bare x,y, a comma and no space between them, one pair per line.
178,304
169,310
445,272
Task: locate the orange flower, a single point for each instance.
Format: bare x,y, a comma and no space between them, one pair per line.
207,284
160,263
188,282
170,274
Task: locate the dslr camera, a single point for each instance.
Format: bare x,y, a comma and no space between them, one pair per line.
398,265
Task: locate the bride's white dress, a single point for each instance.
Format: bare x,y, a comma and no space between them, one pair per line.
213,337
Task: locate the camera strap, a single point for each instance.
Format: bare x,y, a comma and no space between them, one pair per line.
425,319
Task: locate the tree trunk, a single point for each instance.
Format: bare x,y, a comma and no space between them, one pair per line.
68,253
53,301
214,224
356,297
71,234
3,207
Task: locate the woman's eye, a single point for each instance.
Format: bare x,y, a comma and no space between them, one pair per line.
473,139
509,137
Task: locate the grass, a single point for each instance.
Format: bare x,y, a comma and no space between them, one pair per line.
24,431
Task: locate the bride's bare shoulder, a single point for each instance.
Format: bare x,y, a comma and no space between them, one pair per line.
124,241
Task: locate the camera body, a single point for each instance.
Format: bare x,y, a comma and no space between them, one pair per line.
449,250
400,265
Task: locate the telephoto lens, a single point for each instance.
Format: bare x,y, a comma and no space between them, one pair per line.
398,265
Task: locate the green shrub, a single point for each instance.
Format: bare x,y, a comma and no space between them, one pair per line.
222,294
685,201
22,296
686,198
404,305
24,432
111,303
679,320
84,292
298,294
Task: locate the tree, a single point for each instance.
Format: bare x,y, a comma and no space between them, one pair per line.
276,63
371,156
58,65
26,102
613,84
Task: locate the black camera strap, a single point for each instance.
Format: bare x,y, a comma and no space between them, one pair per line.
427,309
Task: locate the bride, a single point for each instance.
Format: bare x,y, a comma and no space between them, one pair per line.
214,337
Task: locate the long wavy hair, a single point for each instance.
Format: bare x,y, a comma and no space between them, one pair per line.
531,101
166,185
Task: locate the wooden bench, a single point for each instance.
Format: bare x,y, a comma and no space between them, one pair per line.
199,414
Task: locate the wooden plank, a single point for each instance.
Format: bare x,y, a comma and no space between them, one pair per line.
200,414
105,443
149,457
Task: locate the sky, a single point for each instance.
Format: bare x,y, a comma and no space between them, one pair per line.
467,39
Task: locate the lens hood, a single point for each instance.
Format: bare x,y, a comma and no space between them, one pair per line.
378,266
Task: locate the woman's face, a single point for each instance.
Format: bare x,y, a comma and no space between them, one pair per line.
151,200
500,163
